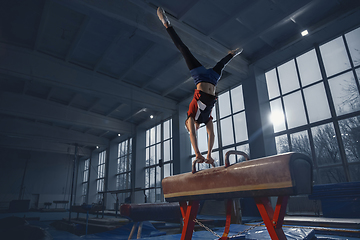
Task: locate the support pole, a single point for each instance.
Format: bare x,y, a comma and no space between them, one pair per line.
21,193
229,206
73,180
273,219
189,212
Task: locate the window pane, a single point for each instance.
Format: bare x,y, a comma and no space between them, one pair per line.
158,176
224,104
167,149
240,127
158,195
309,68
147,138
128,180
170,127
282,144
213,113
152,155
152,195
350,133
345,93
272,84
122,164
166,129
158,153
130,145
147,158
237,99
326,146
86,165
147,175
152,177
152,136
300,143
167,170
227,135
202,139
125,147
129,162
277,115
331,175
353,42
158,133
288,77
121,181
244,148
85,176
216,142
294,110
334,56
317,103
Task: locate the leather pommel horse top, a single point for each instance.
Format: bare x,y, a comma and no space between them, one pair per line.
283,174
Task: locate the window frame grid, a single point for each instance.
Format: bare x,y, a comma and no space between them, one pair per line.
158,162
85,184
128,162
101,170
334,119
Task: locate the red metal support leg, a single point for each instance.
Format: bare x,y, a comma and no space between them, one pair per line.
189,212
273,220
229,205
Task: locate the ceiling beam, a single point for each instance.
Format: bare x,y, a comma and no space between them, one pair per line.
41,146
18,128
78,37
39,109
29,65
128,12
136,61
41,27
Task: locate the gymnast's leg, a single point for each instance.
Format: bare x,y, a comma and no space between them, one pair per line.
190,60
223,62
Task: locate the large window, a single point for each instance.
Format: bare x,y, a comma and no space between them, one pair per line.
315,107
100,181
123,176
85,181
159,159
229,127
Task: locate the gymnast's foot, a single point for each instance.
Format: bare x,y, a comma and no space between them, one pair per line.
236,52
163,18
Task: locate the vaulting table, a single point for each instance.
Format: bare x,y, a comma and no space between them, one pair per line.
280,175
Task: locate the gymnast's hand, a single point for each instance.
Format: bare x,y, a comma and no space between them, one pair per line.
199,158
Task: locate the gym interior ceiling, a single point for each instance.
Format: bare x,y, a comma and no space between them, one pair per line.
83,71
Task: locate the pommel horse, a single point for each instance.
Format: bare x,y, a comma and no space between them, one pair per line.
280,175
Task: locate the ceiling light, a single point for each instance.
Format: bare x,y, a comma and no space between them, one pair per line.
304,33
97,146
119,134
151,116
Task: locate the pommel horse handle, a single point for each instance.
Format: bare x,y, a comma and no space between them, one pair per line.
227,163
198,161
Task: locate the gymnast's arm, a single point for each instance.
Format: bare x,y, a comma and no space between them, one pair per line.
191,126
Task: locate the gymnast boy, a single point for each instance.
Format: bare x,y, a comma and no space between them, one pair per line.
204,97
